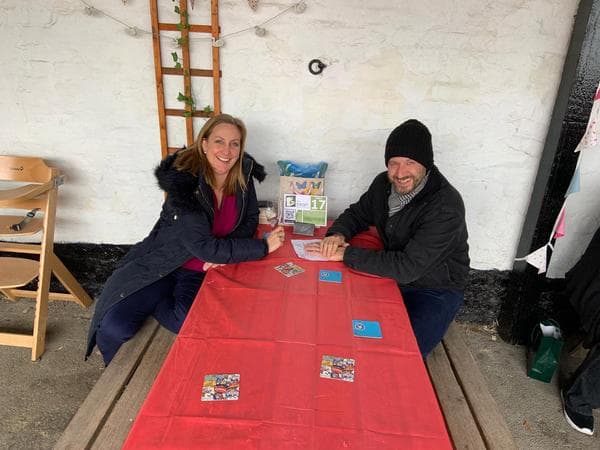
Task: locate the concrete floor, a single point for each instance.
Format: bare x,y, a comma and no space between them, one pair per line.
39,398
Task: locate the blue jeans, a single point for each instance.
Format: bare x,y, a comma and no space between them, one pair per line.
168,300
583,393
430,312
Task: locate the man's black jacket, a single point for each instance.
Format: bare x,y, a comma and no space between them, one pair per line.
425,243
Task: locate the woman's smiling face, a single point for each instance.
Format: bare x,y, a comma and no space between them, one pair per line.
222,148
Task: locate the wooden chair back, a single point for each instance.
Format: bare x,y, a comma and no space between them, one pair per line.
36,193
26,169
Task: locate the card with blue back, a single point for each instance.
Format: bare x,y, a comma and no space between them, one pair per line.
366,329
331,276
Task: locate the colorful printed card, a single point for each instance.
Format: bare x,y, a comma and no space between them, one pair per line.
289,269
366,329
331,276
225,386
305,208
337,368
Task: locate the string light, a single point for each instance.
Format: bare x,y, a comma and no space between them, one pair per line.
300,7
91,10
134,31
260,25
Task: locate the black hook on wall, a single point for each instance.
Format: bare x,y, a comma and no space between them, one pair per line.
316,66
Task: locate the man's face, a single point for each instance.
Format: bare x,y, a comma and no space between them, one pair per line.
405,173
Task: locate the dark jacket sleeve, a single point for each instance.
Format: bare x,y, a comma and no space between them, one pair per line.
433,240
198,239
358,217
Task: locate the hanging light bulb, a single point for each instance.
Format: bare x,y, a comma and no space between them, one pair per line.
89,10
300,7
218,42
259,31
132,31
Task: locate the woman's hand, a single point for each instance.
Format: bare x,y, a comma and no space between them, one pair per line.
275,238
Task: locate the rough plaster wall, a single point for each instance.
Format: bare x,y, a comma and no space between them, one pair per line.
80,93
481,74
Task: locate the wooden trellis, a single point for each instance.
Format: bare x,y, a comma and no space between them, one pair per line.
186,71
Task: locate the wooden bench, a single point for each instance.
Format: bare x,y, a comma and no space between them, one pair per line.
471,413
104,418
107,414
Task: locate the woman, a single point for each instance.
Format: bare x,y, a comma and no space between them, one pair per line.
208,219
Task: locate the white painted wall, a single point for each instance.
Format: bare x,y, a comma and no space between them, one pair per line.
482,75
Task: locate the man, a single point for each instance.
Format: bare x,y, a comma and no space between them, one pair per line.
420,218
581,394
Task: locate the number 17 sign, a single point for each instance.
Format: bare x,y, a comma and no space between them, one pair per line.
305,208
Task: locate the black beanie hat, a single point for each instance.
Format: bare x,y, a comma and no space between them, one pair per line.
411,140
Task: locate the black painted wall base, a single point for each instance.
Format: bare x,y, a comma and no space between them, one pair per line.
532,297
541,298
90,264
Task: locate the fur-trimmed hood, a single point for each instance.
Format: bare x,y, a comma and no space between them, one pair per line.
183,188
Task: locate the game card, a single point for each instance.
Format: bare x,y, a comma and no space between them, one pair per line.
289,269
218,387
366,329
337,368
330,276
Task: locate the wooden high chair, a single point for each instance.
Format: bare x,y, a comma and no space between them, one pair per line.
36,204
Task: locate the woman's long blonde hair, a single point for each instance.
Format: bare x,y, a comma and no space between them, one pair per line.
192,159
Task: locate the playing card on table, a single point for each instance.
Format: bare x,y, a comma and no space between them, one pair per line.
289,269
366,329
337,368
225,386
331,276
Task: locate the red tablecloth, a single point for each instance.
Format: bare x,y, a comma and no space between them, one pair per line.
250,320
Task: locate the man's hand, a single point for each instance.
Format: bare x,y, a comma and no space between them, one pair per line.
338,255
330,245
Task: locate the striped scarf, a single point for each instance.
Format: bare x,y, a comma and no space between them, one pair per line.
397,201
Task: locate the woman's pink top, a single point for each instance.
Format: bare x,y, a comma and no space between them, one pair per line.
223,224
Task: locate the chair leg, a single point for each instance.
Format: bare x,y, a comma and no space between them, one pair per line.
41,307
8,294
39,325
69,282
